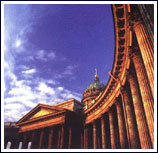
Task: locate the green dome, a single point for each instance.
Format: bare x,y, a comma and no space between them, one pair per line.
96,84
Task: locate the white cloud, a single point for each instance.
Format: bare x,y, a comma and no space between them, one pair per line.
41,55
22,97
23,67
52,82
6,66
60,88
69,70
24,94
14,111
31,71
51,55
43,88
18,43
45,55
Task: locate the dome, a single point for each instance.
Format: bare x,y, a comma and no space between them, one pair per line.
93,90
96,84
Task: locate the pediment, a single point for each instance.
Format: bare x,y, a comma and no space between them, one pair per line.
39,111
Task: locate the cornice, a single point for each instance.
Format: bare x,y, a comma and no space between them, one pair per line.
120,64
41,118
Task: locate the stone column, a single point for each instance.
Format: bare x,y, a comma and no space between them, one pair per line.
145,90
82,142
94,135
70,138
59,138
32,139
41,138
121,125
19,141
24,144
144,136
146,48
113,136
98,141
104,138
85,137
50,137
134,140
62,137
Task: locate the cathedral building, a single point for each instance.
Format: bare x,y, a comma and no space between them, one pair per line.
118,115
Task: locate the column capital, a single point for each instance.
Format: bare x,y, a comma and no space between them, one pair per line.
51,129
101,117
41,130
123,89
117,102
94,122
134,19
133,51
84,125
110,110
130,74
117,99
62,124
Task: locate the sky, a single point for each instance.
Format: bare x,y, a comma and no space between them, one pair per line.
51,52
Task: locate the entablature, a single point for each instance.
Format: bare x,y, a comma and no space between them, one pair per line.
120,65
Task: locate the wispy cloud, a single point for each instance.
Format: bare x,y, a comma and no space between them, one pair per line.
45,89
25,97
52,55
45,55
31,71
69,70
24,92
41,55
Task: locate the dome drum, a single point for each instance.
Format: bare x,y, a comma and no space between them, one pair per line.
93,90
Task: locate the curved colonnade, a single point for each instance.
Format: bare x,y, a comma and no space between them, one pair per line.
123,115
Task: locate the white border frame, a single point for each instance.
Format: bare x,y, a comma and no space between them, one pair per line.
79,2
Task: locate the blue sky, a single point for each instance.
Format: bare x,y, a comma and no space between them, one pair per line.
51,52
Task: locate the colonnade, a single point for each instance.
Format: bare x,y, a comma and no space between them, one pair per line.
131,117
47,138
130,120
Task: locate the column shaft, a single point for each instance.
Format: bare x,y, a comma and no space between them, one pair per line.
144,136
113,136
59,138
134,139
94,135
82,142
32,139
62,137
104,138
147,52
70,138
121,125
24,145
85,137
41,138
50,138
147,98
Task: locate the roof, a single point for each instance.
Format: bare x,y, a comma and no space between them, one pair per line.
32,113
96,84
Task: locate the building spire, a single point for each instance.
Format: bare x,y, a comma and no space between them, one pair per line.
96,75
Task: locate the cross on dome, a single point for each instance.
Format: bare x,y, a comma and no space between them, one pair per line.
96,75
95,71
